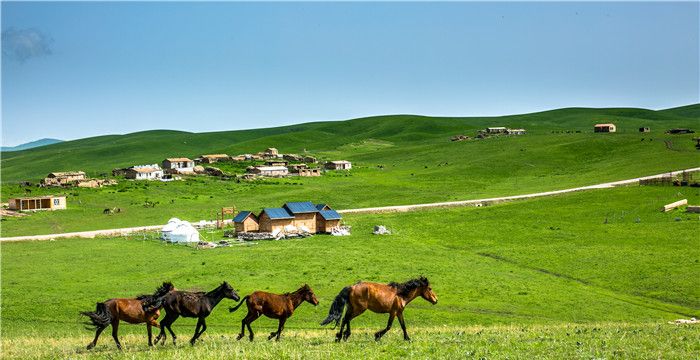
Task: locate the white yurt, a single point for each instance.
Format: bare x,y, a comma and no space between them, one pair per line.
179,231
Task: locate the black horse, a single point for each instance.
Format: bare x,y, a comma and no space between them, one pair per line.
195,305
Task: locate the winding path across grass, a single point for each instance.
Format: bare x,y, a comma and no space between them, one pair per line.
397,208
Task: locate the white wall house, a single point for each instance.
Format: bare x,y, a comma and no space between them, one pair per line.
144,172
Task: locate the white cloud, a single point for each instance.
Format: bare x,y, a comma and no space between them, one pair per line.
24,44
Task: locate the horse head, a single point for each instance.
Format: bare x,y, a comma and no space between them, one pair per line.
309,295
229,293
427,291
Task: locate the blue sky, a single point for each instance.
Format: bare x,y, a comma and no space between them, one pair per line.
72,70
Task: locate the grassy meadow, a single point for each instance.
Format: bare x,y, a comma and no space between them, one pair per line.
594,274
403,159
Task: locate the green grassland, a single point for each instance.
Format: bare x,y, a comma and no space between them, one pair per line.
594,274
418,164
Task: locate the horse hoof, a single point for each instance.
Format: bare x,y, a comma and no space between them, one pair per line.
240,336
90,346
407,338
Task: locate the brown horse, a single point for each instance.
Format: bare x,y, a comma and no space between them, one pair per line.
192,304
389,298
273,306
144,308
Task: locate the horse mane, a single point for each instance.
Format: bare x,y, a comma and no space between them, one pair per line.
150,302
304,288
403,289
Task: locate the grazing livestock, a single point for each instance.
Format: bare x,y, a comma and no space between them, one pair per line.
273,306
144,308
195,305
389,298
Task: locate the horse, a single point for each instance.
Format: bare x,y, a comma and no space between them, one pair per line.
273,306
389,298
143,308
195,305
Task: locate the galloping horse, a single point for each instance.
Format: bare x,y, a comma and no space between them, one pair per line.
144,308
391,298
192,304
273,306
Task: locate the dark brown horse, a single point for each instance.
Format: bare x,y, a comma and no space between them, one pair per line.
144,308
389,298
273,306
195,305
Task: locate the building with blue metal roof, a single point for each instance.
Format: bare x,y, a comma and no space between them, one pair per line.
301,207
246,221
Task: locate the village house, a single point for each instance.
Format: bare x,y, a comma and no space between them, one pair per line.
293,157
296,167
63,178
339,165
212,158
144,172
515,131
305,172
304,215
274,219
326,220
309,159
276,163
243,157
496,130
604,128
246,221
271,152
272,171
38,203
178,165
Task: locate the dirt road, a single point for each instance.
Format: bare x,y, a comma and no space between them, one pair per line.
398,208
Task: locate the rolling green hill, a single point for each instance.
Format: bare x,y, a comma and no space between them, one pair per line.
397,160
103,153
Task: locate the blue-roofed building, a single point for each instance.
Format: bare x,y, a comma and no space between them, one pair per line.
305,214
275,219
301,207
320,207
246,221
327,220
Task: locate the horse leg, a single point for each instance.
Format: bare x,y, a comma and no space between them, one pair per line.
242,334
351,316
115,332
279,330
163,323
97,335
346,317
170,329
250,330
403,327
201,323
378,335
150,334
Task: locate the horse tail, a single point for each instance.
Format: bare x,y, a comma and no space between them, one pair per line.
154,302
232,309
336,311
101,317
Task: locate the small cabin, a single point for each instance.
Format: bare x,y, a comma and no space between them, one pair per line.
310,159
304,215
271,152
274,219
63,178
496,130
179,165
339,165
307,172
327,220
293,157
38,203
604,128
246,221
144,172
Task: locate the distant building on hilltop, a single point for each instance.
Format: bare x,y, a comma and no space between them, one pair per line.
604,128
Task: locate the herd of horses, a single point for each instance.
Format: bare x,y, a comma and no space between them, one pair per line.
355,299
